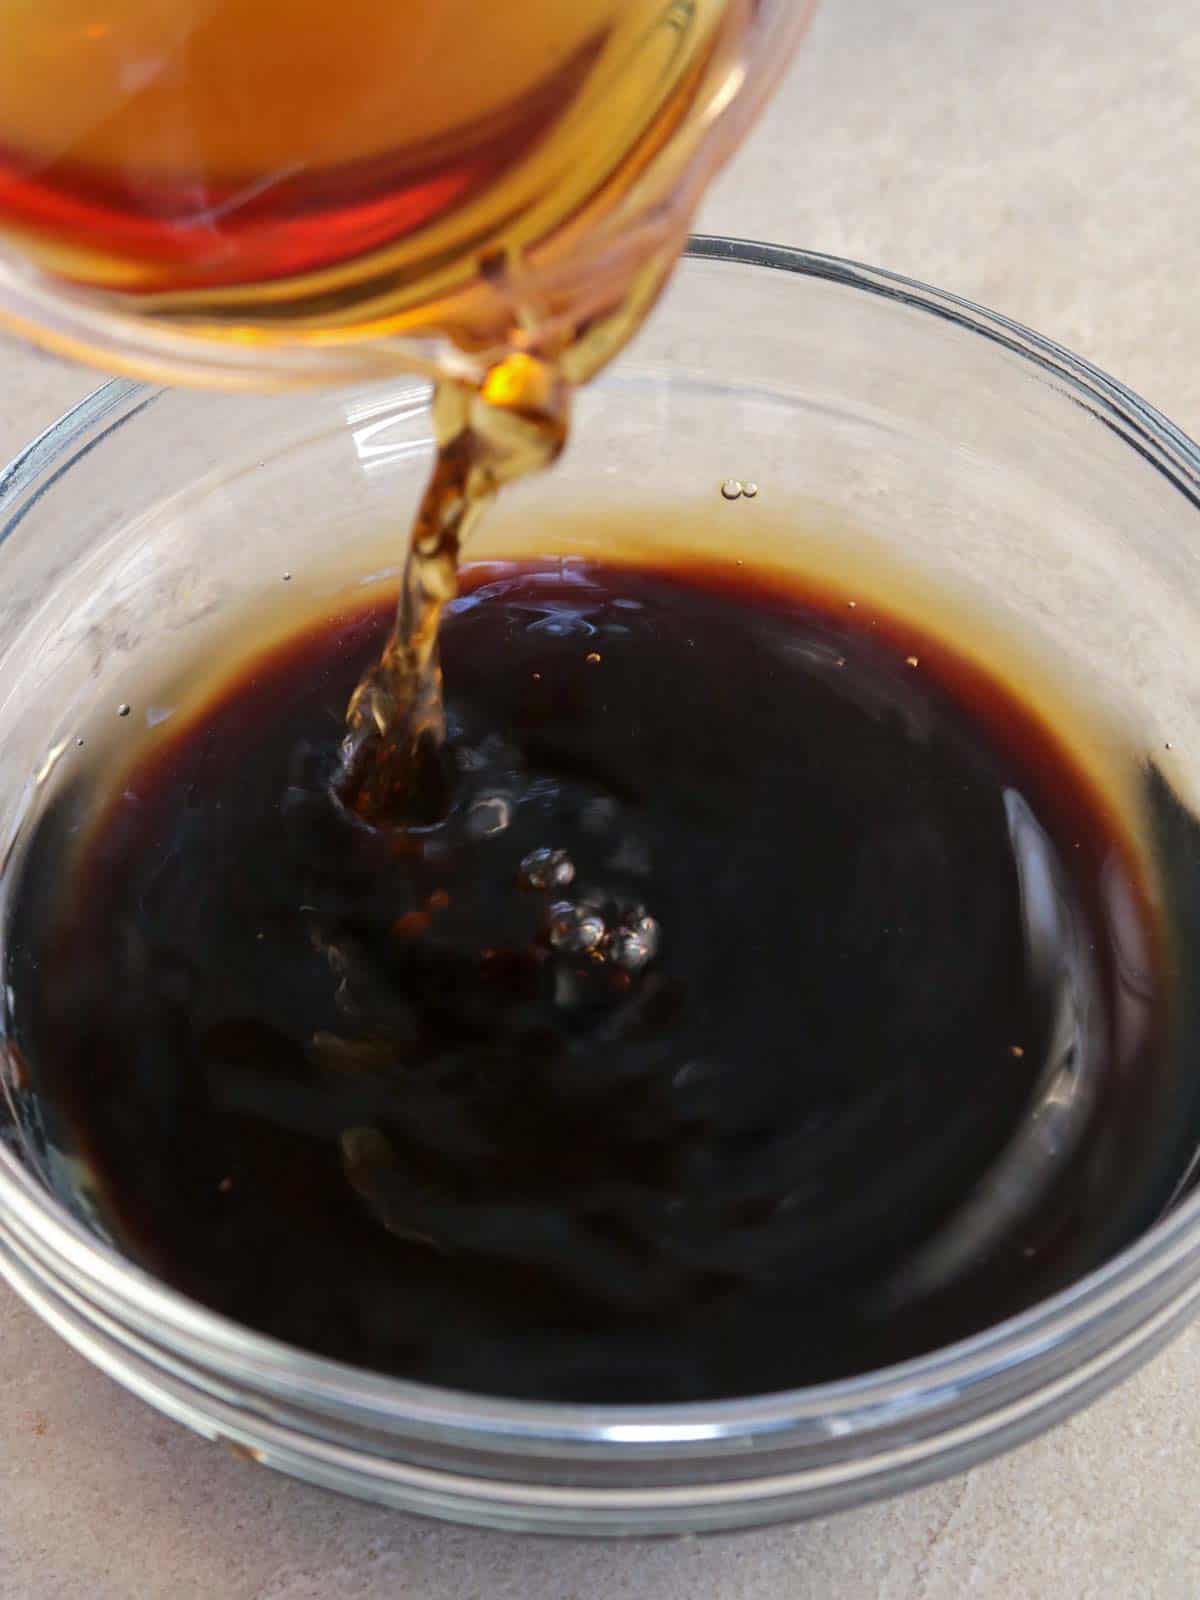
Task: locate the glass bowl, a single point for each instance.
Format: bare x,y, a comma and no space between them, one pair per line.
900,438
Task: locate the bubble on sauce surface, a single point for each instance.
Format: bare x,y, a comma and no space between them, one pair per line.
546,868
575,930
489,815
634,944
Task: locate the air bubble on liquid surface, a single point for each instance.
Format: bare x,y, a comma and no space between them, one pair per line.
547,869
634,944
575,930
488,816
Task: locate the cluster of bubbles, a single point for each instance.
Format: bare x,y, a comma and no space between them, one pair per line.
627,939
735,488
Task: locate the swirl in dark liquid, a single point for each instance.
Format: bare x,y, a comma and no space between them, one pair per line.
778,1000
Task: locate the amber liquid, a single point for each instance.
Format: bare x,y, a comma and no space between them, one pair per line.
392,168
371,167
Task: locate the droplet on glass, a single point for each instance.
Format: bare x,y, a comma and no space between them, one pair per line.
731,489
749,489
122,710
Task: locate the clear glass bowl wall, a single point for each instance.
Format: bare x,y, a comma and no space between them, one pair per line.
897,435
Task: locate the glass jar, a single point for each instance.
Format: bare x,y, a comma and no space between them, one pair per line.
156,220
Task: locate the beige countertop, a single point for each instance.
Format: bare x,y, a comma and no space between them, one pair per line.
1042,159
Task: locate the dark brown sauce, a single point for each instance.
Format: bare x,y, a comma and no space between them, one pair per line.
748,1088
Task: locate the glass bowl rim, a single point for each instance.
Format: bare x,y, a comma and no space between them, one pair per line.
848,1406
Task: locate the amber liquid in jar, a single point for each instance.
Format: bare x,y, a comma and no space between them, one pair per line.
374,166
470,172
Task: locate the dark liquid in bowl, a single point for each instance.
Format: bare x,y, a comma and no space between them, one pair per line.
836,1032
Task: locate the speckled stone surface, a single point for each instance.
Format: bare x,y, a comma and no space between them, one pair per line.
1042,159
